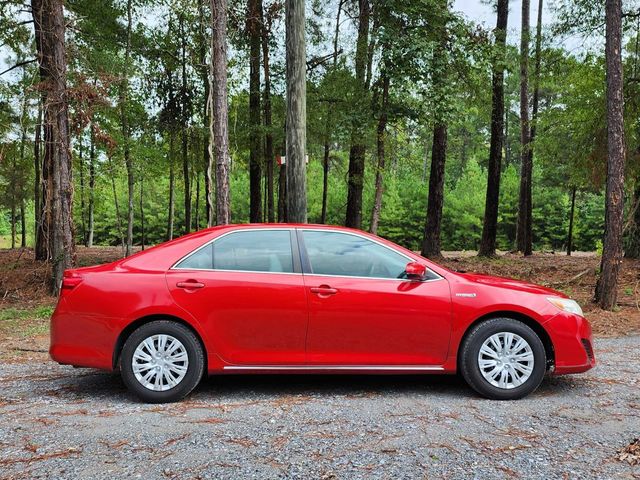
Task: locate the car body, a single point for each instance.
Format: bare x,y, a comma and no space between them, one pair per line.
277,298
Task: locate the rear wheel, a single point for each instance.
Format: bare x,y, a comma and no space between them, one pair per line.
162,361
503,359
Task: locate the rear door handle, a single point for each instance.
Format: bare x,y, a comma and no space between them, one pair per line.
189,284
324,290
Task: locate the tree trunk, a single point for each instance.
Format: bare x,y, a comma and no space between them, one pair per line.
433,224
40,253
607,286
268,150
116,203
219,125
325,181
92,184
571,216
204,70
431,244
126,133
49,25
380,139
142,211
197,218
255,170
328,123
23,225
357,151
83,225
523,234
490,225
282,194
185,118
13,223
296,123
172,184
23,144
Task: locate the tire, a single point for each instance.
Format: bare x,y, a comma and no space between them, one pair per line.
170,374
491,336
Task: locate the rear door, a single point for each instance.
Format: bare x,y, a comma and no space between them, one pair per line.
246,289
362,312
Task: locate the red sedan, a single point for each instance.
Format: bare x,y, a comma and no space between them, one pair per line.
309,298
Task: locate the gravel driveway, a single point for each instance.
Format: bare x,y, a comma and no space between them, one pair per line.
58,422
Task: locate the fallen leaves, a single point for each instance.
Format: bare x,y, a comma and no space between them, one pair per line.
630,453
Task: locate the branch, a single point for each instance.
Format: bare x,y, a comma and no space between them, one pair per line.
17,65
316,61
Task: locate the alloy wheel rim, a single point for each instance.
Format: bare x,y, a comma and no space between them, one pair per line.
160,362
506,360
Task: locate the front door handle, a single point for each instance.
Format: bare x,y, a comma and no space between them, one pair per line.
189,284
324,290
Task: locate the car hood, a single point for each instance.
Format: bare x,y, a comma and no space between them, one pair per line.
510,284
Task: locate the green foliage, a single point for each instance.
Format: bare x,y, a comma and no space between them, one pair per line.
439,68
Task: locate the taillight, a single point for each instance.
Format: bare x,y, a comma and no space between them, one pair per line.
70,281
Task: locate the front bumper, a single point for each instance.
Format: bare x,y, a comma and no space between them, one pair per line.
573,343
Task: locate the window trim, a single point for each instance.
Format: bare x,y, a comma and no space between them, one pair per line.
306,263
293,244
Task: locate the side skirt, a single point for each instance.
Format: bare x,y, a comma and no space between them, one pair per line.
334,368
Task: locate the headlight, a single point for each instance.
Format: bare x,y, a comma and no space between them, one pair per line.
566,305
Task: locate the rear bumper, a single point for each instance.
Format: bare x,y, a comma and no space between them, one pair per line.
573,343
81,340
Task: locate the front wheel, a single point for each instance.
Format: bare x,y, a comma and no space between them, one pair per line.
503,359
162,362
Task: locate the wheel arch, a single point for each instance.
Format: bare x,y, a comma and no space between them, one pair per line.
527,320
134,325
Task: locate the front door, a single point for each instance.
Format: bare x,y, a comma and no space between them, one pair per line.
361,312
247,291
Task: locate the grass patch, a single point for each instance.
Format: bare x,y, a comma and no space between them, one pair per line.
25,322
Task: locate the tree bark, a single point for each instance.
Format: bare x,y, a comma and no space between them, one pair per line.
142,211
116,203
83,225
607,286
40,253
282,193
523,232
255,170
92,183
380,141
327,126
126,133
172,184
571,217
185,119
268,143
219,125
49,25
433,224
13,220
23,225
357,150
431,243
296,123
204,70
490,225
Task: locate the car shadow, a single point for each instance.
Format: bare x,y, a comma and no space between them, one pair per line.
332,385
101,386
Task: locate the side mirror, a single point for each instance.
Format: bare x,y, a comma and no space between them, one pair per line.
415,271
